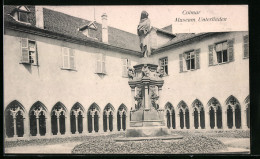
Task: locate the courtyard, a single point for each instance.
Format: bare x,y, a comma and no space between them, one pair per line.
219,142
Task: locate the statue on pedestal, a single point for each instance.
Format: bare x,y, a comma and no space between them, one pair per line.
143,30
131,73
138,98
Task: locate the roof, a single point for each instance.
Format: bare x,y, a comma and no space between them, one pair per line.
168,28
68,25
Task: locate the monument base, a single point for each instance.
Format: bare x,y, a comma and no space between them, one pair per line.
147,131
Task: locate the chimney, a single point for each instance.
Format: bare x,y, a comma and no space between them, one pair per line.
39,17
104,28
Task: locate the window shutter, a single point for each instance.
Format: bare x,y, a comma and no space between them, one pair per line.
184,66
103,63
211,62
65,57
36,54
24,50
124,67
197,58
72,58
246,46
230,50
181,62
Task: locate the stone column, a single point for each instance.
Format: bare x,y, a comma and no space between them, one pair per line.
58,124
146,98
234,119
177,121
92,117
192,127
38,125
67,125
224,117
199,125
114,123
108,123
207,121
48,126
132,97
76,120
216,122
159,94
26,124
243,119
85,123
100,123
15,131
170,120
184,122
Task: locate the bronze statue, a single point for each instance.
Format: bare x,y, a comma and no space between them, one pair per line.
143,30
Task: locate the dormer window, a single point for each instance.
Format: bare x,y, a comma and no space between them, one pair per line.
21,14
85,29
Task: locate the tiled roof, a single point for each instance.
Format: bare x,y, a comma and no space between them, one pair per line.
168,28
68,25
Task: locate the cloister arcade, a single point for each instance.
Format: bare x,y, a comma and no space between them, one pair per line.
40,122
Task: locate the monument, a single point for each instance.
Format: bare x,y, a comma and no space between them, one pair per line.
145,80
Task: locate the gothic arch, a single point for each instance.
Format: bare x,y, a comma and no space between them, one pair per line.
93,115
184,115
59,105
76,118
38,114
215,113
15,114
122,106
121,117
170,115
94,105
233,109
108,117
182,105
59,113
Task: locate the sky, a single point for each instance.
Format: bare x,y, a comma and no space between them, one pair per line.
122,17
127,17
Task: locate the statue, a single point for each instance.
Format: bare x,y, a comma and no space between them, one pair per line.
143,30
145,71
160,72
131,73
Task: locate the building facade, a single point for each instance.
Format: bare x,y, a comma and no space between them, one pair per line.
66,76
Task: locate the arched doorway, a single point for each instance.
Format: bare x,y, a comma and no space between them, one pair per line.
58,116
233,113
76,118
93,118
108,118
170,116
14,120
121,118
184,115
215,114
38,119
199,117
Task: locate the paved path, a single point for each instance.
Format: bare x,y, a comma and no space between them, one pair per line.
63,148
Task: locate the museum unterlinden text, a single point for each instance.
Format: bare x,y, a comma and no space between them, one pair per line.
66,76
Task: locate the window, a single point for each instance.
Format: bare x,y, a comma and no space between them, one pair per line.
23,17
191,59
126,63
222,52
246,46
163,62
68,58
101,64
29,53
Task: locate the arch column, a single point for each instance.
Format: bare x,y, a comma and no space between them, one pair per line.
26,125
48,126
85,123
234,119
58,125
243,119
67,125
224,117
170,120
15,131
216,121
192,125
100,124
121,120
199,125
177,124
207,120
184,120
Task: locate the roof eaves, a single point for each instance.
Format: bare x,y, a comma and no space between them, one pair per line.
51,34
181,42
